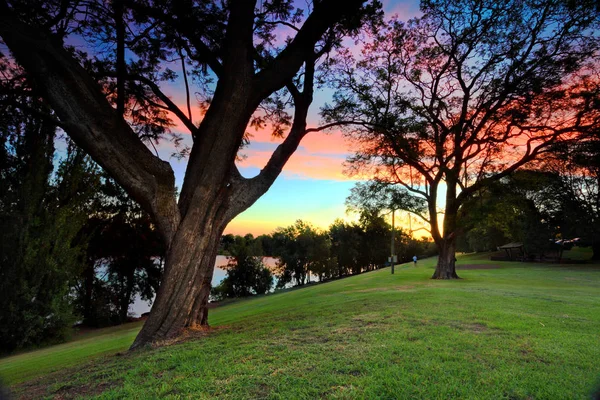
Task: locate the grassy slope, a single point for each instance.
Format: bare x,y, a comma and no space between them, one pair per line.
522,331
21,367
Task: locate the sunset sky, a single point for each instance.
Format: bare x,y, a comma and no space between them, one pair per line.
312,186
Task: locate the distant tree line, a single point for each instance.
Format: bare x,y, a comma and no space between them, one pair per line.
305,253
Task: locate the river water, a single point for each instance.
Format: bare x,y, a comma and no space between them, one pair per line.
140,306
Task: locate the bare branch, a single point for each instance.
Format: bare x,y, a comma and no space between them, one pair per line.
285,65
187,86
168,102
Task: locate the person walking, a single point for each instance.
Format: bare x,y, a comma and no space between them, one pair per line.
415,260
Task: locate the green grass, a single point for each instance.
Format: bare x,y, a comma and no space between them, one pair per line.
523,331
21,367
578,253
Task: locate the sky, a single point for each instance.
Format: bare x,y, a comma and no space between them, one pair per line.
312,186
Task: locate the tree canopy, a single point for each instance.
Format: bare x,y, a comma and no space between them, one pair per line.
101,65
465,95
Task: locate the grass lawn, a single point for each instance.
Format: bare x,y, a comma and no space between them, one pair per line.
522,331
22,367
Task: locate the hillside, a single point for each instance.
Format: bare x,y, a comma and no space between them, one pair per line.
519,331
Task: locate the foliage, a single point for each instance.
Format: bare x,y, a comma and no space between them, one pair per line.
346,247
124,258
230,244
533,207
301,250
370,200
40,219
514,209
49,217
377,196
528,332
246,276
465,95
578,165
375,240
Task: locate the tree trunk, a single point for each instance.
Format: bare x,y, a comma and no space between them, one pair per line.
446,244
446,266
199,315
88,288
181,301
596,250
129,278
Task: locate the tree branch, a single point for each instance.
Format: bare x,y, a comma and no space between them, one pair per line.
187,86
251,189
31,110
91,122
285,65
168,102
186,27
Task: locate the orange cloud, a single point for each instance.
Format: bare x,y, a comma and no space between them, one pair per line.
326,143
241,226
258,221
197,115
316,142
302,164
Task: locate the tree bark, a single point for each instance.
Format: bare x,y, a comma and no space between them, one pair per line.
183,294
596,250
446,266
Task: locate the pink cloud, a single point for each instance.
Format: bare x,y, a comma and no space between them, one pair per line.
326,143
301,165
314,142
197,115
319,156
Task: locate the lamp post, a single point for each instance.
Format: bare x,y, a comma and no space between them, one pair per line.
392,243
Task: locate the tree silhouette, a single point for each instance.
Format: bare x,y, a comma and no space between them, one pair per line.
248,62
465,95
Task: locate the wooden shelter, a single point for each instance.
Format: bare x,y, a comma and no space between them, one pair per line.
514,251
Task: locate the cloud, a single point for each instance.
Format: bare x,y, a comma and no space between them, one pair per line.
315,142
197,116
326,143
301,165
319,155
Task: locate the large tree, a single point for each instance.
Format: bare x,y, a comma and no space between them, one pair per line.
248,60
465,95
